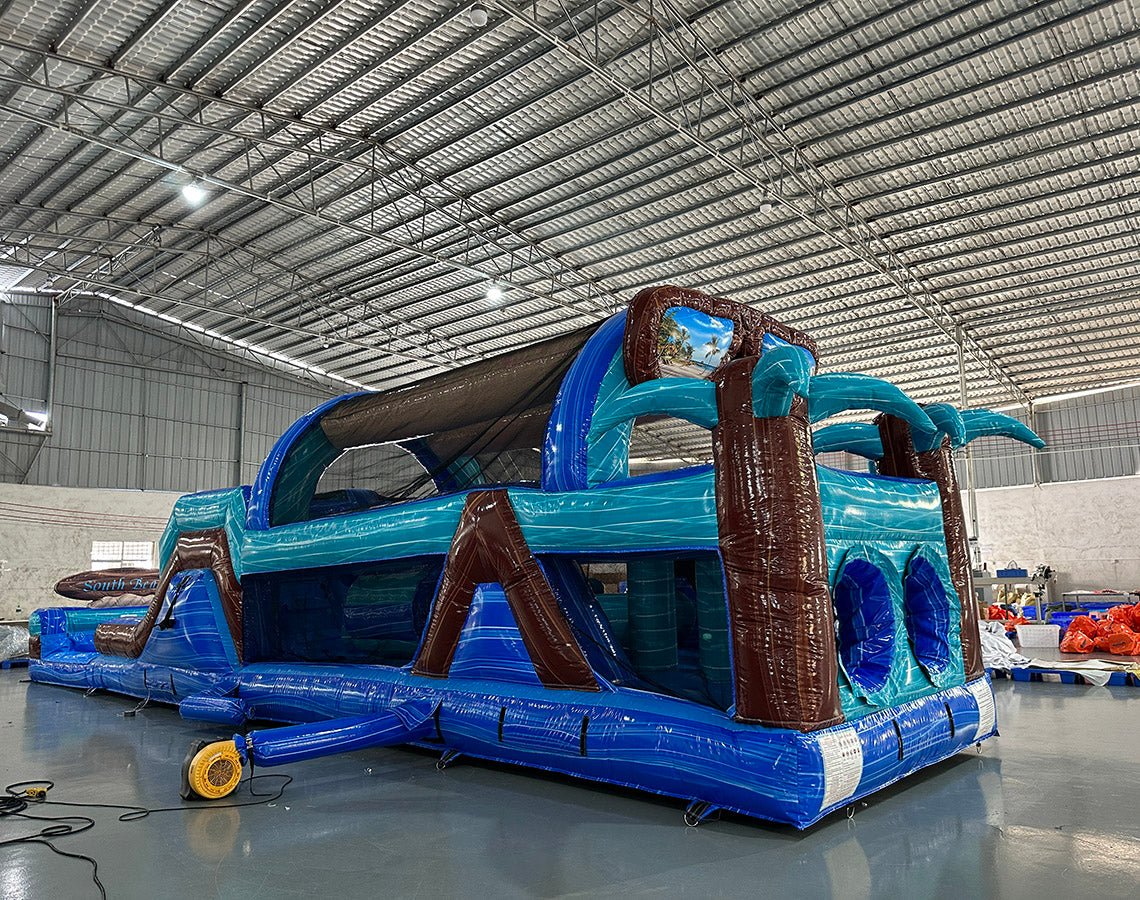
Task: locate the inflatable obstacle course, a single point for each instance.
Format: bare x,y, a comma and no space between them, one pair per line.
409,567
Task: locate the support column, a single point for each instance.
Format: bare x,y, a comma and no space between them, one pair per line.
1036,453
652,614
770,520
973,557
53,353
239,450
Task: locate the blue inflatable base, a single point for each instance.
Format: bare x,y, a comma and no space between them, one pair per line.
619,736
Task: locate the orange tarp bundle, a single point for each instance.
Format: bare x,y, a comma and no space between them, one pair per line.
1115,634
1085,625
1076,641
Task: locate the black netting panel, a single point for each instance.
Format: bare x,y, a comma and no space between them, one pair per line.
479,426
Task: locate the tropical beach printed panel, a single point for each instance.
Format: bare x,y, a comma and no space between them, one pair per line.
690,343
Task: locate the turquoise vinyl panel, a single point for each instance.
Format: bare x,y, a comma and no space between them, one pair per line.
421,528
208,509
646,513
863,507
607,455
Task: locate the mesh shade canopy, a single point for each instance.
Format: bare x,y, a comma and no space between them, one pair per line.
478,425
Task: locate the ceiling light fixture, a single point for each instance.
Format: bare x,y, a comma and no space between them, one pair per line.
478,15
494,294
194,193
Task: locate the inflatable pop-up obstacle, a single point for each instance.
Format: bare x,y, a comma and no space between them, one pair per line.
411,567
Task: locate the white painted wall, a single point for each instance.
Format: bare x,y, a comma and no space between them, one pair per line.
46,533
1089,531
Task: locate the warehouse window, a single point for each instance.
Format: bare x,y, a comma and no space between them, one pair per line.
122,554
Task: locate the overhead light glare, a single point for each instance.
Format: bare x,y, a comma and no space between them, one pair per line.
194,193
494,294
1071,395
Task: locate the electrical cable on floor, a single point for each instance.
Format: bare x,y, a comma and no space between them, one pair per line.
65,826
20,795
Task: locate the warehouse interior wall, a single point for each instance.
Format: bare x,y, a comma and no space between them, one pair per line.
139,404
47,533
1088,531
1092,435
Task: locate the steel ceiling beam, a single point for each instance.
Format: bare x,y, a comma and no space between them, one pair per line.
306,144
637,45
293,207
202,338
671,176
22,256
697,14
1021,11
970,217
433,237
144,31
330,52
470,348
781,156
726,132
299,285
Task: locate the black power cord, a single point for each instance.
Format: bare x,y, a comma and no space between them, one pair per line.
64,826
21,795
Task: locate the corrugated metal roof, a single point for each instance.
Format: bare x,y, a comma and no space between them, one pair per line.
879,174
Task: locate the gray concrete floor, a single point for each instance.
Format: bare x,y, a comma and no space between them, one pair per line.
1049,809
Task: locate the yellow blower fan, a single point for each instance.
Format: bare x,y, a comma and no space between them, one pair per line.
211,770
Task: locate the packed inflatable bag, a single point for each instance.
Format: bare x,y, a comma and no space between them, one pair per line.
1122,643
1127,615
1076,641
13,641
1112,634
1086,625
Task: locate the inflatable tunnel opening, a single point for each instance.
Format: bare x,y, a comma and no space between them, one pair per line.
657,623
927,615
866,624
